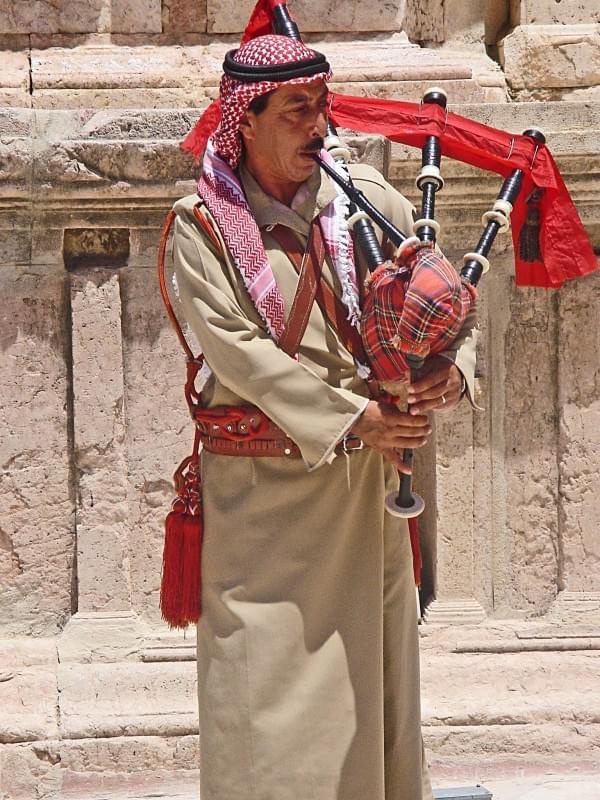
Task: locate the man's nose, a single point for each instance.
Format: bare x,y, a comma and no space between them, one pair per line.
319,124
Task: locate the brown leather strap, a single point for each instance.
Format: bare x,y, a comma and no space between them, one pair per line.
207,228
330,304
308,264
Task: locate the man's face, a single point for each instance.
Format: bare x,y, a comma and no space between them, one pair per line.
278,141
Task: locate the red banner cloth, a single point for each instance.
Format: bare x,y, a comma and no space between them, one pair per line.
566,251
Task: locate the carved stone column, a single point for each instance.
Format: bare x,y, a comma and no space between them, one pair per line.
104,610
579,442
454,581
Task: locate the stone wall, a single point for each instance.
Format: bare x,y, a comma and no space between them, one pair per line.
98,695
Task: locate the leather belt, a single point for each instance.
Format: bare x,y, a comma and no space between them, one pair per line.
247,431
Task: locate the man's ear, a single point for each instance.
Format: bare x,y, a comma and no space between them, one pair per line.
246,126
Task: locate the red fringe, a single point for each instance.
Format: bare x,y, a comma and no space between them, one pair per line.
413,529
180,583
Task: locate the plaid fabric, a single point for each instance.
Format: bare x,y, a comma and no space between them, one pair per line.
416,306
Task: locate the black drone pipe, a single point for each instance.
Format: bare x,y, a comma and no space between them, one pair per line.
366,237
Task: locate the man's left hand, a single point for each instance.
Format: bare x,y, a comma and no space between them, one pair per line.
438,386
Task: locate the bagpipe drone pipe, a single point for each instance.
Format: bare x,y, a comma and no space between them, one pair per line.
417,303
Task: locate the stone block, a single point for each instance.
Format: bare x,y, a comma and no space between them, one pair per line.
100,74
81,16
109,700
30,770
464,23
127,767
28,691
135,16
454,471
101,636
181,16
539,58
545,12
14,81
16,17
29,705
37,536
424,21
231,16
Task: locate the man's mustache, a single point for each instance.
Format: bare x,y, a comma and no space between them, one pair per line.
315,145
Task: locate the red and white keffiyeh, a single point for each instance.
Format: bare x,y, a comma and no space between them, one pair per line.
220,188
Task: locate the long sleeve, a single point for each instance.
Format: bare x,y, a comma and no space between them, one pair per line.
245,359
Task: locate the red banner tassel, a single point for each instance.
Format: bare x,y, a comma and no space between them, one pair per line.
413,529
180,587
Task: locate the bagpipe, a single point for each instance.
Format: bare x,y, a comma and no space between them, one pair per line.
416,303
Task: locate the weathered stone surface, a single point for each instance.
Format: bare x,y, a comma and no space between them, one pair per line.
100,74
101,483
531,448
36,535
436,21
543,12
14,88
424,22
457,558
464,23
544,57
101,700
159,431
81,16
579,461
136,16
28,691
180,16
106,636
231,16
131,767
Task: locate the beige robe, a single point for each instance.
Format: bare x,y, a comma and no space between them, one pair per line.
308,672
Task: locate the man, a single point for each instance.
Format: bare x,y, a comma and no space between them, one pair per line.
308,677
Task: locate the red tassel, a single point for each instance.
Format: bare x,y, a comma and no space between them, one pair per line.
180,586
413,528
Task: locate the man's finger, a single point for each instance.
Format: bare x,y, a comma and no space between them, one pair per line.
436,404
395,457
408,441
408,420
434,377
434,391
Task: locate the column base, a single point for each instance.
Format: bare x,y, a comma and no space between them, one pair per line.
576,607
466,611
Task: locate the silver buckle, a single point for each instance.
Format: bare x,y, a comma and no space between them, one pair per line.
351,443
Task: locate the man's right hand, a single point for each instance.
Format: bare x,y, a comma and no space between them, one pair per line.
385,428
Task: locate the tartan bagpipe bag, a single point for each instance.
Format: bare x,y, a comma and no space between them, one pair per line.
414,306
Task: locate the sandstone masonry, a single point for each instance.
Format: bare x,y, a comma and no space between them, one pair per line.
97,696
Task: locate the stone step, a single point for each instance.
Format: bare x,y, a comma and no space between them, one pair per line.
97,72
